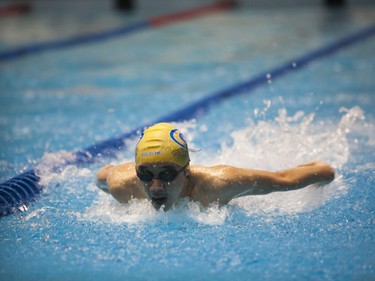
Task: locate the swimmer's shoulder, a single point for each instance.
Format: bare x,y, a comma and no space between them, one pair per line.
121,175
207,172
204,181
213,178
199,172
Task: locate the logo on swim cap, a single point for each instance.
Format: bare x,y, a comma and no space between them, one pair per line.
178,138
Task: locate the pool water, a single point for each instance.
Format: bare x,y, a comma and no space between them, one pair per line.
56,102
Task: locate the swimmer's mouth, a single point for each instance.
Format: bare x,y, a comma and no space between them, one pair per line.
158,201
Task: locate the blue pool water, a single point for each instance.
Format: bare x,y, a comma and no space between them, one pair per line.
56,102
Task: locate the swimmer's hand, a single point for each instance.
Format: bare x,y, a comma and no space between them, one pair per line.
323,172
101,178
103,186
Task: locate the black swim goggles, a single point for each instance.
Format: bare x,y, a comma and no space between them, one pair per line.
167,175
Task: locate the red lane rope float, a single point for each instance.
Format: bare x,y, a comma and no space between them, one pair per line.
190,14
14,10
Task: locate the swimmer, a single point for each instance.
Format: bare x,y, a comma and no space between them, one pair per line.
162,174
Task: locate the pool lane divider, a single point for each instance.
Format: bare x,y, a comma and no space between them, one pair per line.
121,31
18,192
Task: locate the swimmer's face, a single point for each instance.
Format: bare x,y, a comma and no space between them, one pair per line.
163,183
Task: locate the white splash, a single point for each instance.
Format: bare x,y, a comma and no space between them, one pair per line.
107,210
50,163
290,141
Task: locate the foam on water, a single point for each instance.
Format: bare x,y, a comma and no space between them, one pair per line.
271,145
106,209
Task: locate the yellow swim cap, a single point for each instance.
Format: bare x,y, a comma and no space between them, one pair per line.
162,143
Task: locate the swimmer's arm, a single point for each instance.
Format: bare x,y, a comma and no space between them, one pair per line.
296,178
234,182
123,183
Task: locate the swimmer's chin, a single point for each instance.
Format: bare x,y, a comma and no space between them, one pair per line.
160,203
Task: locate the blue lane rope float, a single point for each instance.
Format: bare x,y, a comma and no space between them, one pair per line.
19,191
22,189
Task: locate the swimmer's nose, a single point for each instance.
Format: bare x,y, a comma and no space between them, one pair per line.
156,186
